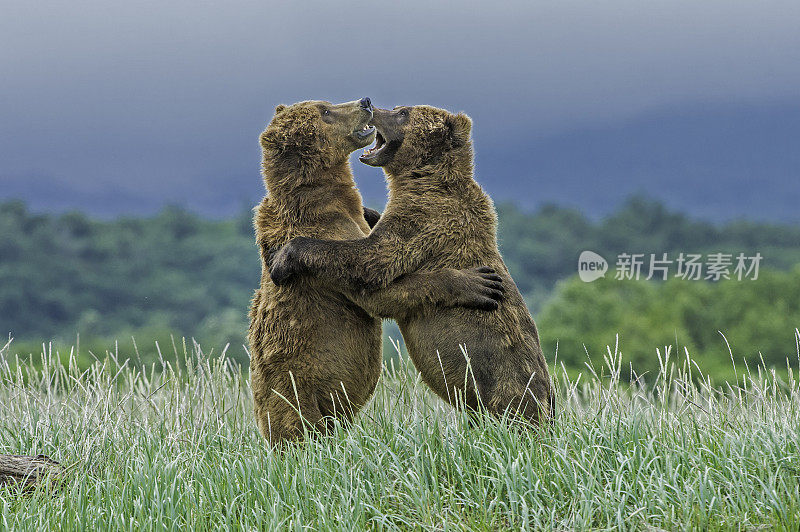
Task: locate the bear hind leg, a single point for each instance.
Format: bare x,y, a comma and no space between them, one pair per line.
281,421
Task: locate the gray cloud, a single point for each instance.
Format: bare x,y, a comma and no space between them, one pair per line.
163,96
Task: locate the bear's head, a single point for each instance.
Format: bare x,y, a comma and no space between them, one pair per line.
410,138
315,135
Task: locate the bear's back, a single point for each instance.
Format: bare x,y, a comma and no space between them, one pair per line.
309,327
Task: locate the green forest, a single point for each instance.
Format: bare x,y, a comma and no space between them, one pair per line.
71,281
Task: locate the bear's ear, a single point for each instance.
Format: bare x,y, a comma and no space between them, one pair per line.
279,108
460,126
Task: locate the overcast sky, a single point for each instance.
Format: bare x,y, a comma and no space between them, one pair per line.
159,97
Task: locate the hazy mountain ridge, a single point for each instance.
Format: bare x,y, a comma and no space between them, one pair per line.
714,161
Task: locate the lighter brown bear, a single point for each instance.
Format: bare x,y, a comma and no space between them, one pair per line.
437,217
315,346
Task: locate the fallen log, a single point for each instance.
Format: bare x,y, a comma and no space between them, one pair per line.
27,471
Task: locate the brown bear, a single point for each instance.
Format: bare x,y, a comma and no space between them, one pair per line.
437,217
316,346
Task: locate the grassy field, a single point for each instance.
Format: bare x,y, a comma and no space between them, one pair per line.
174,446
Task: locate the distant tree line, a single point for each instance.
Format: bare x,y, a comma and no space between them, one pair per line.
177,275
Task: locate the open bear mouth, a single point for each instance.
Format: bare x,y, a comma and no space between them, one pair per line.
364,132
380,142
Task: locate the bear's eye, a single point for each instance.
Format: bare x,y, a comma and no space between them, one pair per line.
404,113
326,112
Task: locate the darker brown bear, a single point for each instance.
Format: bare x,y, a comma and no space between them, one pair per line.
315,346
438,217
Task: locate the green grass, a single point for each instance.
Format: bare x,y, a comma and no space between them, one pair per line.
175,447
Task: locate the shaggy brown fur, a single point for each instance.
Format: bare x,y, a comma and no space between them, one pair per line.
315,349
438,217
